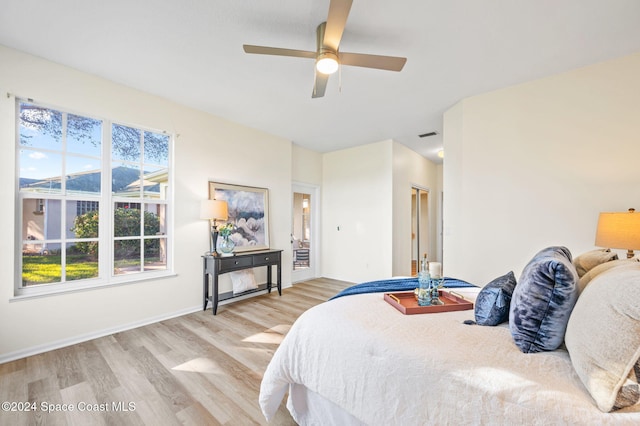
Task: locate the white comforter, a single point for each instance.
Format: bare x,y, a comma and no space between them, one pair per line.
386,368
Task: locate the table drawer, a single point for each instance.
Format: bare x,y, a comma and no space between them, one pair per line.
266,259
234,263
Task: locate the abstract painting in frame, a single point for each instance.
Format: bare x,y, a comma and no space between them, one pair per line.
248,212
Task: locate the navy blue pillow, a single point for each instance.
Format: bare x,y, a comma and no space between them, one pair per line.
493,301
543,300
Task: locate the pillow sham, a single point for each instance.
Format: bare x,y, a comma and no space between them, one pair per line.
493,301
603,338
603,267
589,260
542,301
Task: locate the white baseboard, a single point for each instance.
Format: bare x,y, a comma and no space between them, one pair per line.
34,350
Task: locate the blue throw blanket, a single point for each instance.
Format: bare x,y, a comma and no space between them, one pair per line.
396,284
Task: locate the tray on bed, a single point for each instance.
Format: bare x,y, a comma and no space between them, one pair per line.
406,303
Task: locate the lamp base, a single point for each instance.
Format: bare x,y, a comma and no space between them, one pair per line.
214,241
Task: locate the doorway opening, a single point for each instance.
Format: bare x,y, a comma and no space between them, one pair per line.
303,232
419,226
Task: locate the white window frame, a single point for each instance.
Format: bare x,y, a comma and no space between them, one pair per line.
107,200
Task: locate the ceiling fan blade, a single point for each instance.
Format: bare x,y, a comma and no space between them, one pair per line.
265,50
389,63
320,85
337,19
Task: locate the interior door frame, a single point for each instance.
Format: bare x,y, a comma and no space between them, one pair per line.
421,212
298,275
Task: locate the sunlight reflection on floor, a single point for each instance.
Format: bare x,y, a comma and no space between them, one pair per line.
272,335
200,365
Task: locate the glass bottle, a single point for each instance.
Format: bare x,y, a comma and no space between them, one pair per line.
424,282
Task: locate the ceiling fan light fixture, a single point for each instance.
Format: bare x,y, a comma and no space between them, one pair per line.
327,63
327,58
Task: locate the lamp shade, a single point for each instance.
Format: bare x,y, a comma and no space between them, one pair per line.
619,230
214,210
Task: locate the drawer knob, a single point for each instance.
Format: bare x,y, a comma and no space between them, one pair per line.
236,262
266,258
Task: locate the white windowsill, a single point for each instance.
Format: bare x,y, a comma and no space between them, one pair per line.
89,286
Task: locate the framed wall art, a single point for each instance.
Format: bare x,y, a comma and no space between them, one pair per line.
248,212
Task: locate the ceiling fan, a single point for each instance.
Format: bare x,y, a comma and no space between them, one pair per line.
327,56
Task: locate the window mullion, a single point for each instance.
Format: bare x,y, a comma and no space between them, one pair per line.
63,241
63,202
63,142
142,203
105,244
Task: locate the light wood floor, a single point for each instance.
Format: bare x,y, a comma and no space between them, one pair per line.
197,369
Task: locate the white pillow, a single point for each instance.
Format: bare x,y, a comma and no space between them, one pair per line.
603,337
243,280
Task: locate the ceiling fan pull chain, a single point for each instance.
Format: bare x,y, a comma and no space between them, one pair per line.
339,78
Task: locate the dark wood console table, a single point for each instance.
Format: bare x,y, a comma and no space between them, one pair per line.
215,266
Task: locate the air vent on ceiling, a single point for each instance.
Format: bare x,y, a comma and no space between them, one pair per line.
426,135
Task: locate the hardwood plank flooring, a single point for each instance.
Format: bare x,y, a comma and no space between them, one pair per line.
197,369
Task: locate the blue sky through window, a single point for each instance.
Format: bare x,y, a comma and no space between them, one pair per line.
42,143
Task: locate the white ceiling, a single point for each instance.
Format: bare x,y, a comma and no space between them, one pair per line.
190,51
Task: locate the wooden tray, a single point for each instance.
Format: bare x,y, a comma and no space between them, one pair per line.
406,303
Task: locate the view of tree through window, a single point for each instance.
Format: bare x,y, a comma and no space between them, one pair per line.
71,223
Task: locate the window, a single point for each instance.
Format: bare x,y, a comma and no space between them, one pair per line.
83,207
139,176
94,200
39,206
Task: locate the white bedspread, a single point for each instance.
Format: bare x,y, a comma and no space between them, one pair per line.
387,368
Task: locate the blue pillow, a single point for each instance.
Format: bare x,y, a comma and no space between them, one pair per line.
543,300
493,301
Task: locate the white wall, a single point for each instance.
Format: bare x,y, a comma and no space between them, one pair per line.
533,165
411,169
207,148
357,199
367,193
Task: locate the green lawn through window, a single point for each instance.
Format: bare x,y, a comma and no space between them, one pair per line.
47,269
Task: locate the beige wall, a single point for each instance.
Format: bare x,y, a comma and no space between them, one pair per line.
306,166
357,199
371,203
411,169
207,148
533,165
439,230
306,171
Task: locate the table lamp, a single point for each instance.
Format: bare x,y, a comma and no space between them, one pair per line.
619,231
214,210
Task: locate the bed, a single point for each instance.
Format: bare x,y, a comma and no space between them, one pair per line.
356,360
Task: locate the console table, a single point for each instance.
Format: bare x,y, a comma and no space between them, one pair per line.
215,266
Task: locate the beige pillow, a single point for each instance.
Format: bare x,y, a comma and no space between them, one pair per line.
243,280
603,337
586,278
591,259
